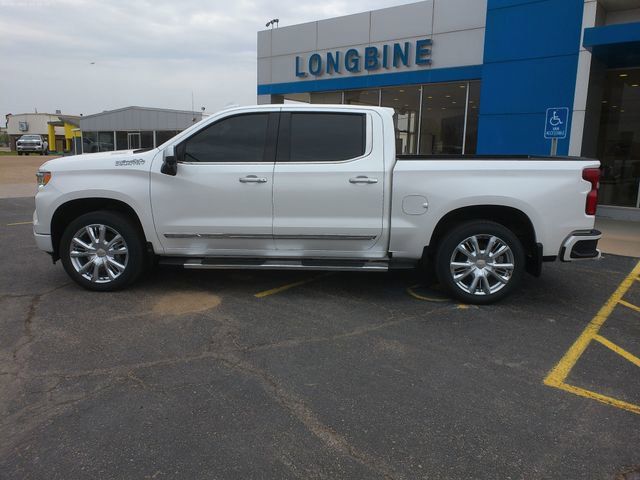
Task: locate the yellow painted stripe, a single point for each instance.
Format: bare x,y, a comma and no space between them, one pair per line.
630,305
614,402
559,373
273,291
618,349
19,223
411,291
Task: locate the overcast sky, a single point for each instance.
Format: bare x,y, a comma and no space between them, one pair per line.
146,52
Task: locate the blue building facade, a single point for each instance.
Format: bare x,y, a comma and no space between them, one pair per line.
480,76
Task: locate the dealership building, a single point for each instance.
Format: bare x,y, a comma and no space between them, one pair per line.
481,77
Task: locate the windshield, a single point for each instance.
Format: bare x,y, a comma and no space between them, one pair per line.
30,137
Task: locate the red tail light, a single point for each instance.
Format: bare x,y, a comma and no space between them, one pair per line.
592,175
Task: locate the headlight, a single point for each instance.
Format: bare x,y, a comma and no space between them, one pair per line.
43,178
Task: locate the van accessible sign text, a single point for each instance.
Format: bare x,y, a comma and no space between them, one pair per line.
396,55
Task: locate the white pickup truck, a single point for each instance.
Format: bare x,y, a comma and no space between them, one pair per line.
319,188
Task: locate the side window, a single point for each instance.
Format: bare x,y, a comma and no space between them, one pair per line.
241,138
327,137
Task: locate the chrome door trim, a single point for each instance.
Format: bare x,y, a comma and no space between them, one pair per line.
266,236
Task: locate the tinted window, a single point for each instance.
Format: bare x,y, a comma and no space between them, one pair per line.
326,137
235,139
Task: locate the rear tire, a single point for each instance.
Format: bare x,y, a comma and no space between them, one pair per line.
102,251
480,262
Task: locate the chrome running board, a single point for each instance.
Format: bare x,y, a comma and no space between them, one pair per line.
334,265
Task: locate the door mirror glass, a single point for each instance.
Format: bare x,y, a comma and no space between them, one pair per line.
169,162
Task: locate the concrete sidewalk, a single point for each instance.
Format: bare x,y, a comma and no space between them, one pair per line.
619,237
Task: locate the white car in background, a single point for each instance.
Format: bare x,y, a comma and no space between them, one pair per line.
32,143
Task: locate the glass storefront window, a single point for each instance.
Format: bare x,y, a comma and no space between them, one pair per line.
362,97
434,126
89,142
406,103
326,97
146,139
122,141
297,98
165,135
105,142
443,114
473,110
619,139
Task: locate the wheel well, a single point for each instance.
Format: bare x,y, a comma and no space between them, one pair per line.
67,212
512,218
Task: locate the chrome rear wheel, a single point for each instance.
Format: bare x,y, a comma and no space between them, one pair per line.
482,264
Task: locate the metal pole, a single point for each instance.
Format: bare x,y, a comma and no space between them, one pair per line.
419,122
466,116
554,147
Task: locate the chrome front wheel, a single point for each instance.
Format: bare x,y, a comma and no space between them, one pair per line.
103,250
99,253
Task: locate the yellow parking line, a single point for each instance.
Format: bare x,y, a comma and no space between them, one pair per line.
614,402
630,305
19,223
273,291
410,291
558,374
618,349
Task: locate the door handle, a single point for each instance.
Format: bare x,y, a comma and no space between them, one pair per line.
252,179
362,179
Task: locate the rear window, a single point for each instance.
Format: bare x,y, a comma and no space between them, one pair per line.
326,137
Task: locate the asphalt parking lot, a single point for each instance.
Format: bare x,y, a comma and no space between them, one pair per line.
237,374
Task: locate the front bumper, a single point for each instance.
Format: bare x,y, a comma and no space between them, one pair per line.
29,148
581,245
43,242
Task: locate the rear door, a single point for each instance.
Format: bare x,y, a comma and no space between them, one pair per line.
328,184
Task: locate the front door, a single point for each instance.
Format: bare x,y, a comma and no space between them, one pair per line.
220,200
328,185
133,140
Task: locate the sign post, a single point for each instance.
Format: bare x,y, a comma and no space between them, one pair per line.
555,126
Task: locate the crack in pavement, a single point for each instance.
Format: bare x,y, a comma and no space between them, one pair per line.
28,335
226,353
224,347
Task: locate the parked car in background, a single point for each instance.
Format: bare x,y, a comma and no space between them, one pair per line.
32,143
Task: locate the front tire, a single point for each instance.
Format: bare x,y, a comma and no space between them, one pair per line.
480,262
102,251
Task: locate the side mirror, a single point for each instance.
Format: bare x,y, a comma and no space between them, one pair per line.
169,162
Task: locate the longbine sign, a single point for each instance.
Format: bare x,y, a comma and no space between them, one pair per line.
396,55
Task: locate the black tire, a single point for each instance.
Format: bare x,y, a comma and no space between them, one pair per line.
19,153
133,241
482,265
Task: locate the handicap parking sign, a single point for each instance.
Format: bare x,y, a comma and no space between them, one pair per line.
556,122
